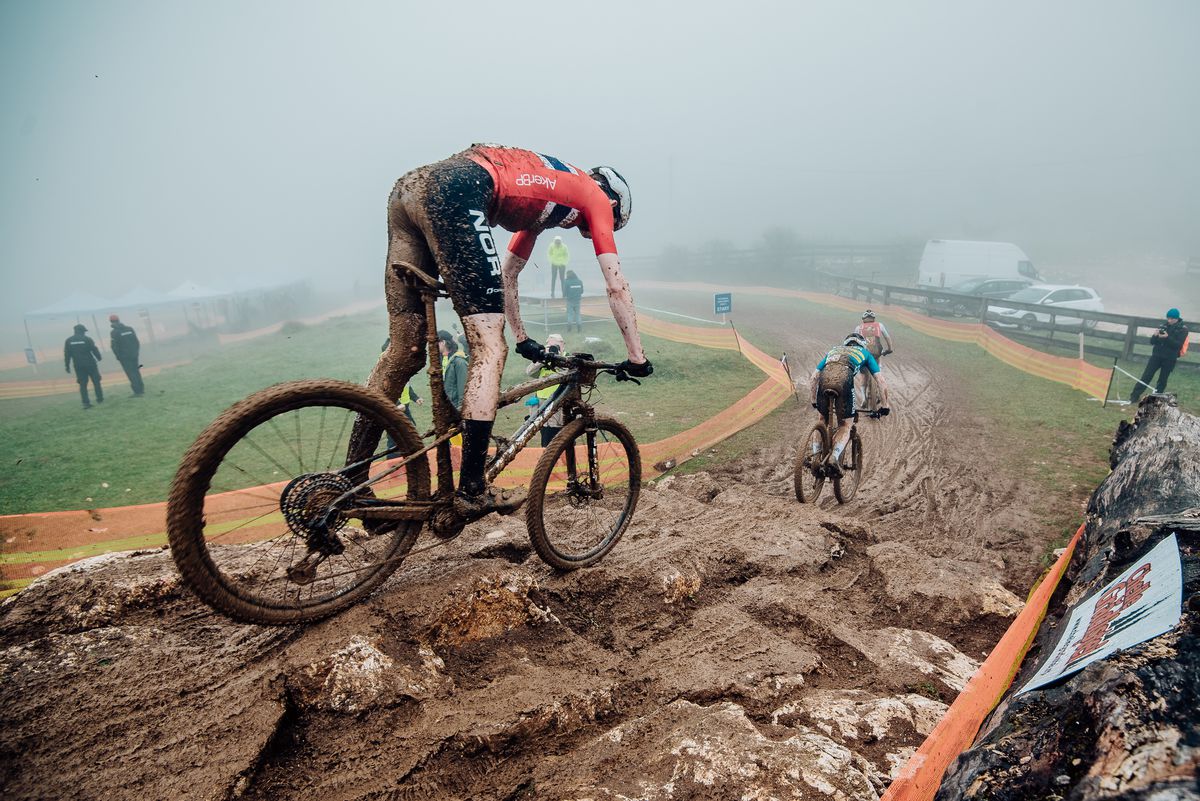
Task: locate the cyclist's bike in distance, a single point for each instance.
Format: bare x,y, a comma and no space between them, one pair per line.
811,469
873,395
260,512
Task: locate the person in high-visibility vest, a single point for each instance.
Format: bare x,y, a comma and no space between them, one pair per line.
558,256
555,345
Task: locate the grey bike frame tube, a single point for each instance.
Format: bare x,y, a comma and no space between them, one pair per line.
525,433
515,393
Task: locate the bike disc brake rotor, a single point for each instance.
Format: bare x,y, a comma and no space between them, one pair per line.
580,495
306,500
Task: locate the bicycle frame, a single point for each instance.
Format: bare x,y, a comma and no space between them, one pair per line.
446,418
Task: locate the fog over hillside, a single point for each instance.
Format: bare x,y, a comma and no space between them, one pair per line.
147,143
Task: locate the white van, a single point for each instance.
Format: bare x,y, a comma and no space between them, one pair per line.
946,262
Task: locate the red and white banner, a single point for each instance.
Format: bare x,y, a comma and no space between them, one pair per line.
1141,603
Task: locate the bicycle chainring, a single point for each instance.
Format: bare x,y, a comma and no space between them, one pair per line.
446,523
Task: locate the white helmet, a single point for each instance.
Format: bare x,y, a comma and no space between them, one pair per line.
868,315
617,189
855,340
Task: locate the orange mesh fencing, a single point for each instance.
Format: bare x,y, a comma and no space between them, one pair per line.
39,542
1076,373
922,774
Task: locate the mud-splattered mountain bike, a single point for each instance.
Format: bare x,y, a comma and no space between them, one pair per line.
260,512
811,468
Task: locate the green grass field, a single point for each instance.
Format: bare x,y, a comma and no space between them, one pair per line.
56,456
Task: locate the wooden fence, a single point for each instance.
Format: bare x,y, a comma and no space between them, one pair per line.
1115,336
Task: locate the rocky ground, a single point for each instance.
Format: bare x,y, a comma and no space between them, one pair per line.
736,644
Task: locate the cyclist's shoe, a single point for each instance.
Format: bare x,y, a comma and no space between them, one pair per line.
492,499
833,469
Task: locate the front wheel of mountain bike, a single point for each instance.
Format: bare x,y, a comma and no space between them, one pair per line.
846,487
583,493
256,491
808,475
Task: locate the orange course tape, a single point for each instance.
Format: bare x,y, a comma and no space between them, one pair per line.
1075,373
51,539
922,774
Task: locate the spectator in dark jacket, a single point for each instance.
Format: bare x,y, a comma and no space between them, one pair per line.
454,367
573,292
127,349
80,348
1168,342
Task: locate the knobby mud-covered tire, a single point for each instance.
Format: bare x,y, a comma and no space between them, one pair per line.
545,534
186,503
846,487
874,394
802,473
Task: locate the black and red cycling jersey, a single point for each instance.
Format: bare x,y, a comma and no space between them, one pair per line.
534,192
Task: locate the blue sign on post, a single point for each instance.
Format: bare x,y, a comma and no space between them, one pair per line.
723,302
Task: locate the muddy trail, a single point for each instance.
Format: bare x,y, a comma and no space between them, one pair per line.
736,644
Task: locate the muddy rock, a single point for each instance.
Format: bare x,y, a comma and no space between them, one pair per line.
917,656
699,486
360,676
697,752
951,589
494,605
858,715
97,592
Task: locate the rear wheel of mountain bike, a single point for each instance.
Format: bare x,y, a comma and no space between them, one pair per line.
846,487
807,475
583,493
262,476
874,399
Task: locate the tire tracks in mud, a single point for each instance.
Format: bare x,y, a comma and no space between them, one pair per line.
734,640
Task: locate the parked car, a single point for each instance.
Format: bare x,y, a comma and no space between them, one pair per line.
976,288
1061,298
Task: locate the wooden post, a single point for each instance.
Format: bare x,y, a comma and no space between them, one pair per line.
1130,338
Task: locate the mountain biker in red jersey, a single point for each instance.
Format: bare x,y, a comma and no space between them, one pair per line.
440,219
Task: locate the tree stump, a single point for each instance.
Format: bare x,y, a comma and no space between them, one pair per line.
1127,726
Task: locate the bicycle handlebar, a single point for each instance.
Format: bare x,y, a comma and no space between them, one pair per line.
584,361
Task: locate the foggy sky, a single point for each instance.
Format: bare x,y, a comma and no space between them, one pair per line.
146,142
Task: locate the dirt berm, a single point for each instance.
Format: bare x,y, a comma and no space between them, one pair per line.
736,644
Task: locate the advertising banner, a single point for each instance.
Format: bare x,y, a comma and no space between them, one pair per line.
1141,603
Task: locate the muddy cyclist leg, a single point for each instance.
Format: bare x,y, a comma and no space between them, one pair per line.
405,354
454,219
485,337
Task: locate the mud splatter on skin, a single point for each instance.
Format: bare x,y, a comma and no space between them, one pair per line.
489,351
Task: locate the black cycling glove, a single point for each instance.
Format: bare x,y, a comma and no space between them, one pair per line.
636,369
531,350
885,411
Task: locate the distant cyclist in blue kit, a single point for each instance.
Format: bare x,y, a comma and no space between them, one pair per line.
836,372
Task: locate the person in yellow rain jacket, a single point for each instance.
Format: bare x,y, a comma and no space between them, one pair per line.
558,256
